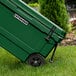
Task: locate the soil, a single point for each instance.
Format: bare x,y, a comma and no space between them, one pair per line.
70,39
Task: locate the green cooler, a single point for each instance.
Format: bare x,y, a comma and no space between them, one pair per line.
27,34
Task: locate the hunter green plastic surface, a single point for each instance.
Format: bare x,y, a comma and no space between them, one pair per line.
23,30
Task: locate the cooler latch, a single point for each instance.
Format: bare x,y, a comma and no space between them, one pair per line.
50,33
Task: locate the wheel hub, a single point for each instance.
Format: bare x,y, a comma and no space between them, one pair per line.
36,62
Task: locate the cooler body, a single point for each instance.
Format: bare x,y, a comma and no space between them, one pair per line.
24,31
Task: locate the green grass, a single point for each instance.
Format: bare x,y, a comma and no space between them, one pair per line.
64,64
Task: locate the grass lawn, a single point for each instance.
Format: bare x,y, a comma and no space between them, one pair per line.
64,64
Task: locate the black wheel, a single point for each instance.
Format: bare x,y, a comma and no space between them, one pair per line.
35,60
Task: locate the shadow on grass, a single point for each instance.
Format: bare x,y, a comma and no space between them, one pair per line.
16,65
11,63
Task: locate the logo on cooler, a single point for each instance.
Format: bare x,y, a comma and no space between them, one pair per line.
21,19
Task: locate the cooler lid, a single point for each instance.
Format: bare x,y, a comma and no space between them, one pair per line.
34,17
